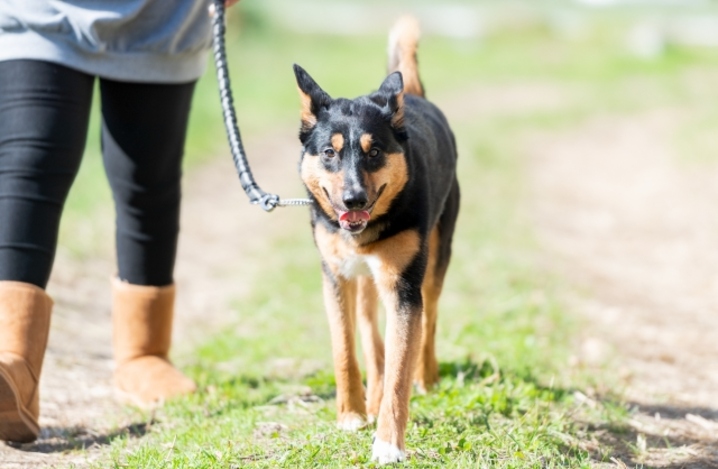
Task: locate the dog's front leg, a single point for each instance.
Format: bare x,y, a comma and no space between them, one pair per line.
340,301
372,344
403,333
398,265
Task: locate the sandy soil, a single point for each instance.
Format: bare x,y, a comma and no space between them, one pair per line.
632,229
636,230
222,237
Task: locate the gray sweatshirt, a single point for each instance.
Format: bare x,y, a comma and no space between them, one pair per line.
159,41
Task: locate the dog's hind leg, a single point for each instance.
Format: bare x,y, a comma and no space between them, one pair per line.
440,239
340,300
426,374
372,343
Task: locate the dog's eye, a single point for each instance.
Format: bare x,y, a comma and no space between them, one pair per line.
329,153
374,152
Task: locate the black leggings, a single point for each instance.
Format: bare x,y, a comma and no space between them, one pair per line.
44,112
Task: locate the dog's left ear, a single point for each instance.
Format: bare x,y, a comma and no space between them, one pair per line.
313,98
393,90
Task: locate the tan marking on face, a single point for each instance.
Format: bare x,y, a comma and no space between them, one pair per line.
309,120
365,142
316,179
394,175
337,142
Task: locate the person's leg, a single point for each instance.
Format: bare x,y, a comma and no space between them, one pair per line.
143,134
44,111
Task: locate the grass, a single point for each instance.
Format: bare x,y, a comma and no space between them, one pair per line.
267,398
508,396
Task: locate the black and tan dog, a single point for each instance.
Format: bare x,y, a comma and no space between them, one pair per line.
381,173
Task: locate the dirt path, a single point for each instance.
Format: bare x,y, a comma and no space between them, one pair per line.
222,237
616,212
637,232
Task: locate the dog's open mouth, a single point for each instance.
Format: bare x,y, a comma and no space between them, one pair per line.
354,221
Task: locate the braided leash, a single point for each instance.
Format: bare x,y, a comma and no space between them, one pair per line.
256,195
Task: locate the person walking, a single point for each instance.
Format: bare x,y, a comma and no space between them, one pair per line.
147,56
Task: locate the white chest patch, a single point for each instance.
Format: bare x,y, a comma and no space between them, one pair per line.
356,265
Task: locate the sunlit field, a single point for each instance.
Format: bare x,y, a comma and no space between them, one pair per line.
512,393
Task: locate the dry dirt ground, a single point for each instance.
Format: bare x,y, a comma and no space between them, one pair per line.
222,237
632,229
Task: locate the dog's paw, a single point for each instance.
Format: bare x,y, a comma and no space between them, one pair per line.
386,453
425,382
351,422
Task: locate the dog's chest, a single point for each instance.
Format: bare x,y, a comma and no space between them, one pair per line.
347,257
354,265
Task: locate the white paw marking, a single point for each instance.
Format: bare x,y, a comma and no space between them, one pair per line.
420,388
386,453
351,424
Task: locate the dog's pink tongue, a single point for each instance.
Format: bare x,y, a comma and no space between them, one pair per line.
354,216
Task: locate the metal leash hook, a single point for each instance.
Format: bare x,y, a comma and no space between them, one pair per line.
256,195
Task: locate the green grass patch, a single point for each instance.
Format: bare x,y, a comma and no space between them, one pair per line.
506,398
508,395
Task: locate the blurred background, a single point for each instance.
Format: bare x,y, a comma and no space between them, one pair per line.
626,54
585,256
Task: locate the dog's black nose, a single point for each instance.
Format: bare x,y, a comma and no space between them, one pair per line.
354,199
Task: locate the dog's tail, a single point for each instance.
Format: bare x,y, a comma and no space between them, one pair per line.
403,42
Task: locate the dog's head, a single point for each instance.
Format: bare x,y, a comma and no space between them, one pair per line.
353,163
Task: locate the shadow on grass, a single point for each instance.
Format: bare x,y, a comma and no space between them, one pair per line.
488,372
665,436
677,412
62,439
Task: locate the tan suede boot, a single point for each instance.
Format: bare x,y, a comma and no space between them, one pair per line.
24,328
142,333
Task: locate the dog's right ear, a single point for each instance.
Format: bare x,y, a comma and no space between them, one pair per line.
312,96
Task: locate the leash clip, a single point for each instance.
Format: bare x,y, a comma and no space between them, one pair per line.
269,202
